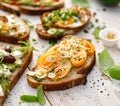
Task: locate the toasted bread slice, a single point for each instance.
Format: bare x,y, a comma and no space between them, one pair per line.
70,29
13,29
38,10
76,75
17,73
10,8
29,9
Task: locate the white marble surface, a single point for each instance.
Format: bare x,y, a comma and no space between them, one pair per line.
99,91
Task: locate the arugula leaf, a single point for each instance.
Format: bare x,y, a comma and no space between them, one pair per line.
28,98
40,95
105,60
114,72
83,3
96,32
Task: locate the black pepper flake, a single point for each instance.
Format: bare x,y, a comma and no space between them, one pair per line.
101,91
108,94
93,83
91,87
102,83
97,41
97,80
104,9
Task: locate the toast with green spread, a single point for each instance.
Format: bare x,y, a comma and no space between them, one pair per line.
13,62
62,22
64,65
13,29
30,7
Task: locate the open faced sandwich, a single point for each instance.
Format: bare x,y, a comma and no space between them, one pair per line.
64,65
13,29
30,7
62,22
13,62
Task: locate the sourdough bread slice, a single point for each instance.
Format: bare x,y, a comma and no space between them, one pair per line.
42,30
15,76
20,34
76,75
29,10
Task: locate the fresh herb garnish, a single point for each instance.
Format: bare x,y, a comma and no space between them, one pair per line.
105,60
52,42
96,32
39,98
83,3
108,66
40,95
28,98
86,31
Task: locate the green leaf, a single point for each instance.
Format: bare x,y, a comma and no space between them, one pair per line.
28,98
52,42
83,3
114,72
24,43
40,95
105,60
96,32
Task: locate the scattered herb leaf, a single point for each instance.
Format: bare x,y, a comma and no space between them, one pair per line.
96,32
31,98
105,60
52,42
40,95
114,72
28,98
86,31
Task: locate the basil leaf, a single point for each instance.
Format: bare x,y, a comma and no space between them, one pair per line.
83,3
28,98
105,60
114,72
40,95
96,32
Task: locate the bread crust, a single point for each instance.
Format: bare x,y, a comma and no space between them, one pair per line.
8,8
14,39
42,33
17,74
76,76
37,10
29,10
